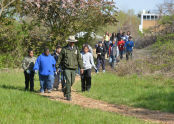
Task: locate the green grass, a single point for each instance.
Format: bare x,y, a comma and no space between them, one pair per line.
19,107
146,92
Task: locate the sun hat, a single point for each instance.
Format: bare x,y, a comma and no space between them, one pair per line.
71,39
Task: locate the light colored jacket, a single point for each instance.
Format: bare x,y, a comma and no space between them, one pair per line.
90,49
28,63
113,51
88,60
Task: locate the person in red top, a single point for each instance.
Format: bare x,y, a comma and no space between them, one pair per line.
121,47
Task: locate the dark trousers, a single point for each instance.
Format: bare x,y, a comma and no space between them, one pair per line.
70,79
121,54
100,61
86,80
29,79
107,47
128,54
59,78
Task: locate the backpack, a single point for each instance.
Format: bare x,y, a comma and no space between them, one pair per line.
114,50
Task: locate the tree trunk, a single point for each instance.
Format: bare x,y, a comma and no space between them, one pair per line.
1,11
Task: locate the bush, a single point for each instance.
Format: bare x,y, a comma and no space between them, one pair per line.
145,41
134,67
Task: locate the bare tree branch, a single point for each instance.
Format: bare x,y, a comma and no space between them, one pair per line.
4,7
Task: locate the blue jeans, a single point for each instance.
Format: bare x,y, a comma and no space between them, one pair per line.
46,82
112,61
78,71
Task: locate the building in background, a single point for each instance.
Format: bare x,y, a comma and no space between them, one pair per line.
148,20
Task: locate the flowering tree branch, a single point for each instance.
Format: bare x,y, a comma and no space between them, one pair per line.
65,17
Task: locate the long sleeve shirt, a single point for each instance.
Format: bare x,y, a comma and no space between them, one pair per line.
45,65
70,58
88,60
113,50
129,46
28,63
121,45
101,51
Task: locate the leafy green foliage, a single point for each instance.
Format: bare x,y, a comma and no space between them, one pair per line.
16,38
47,24
167,20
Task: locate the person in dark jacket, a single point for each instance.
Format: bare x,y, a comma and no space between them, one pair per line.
101,51
114,37
119,35
59,76
70,58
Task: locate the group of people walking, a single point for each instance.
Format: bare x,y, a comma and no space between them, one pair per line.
64,62
114,45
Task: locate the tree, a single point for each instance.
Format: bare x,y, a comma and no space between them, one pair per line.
127,21
166,21
166,8
67,17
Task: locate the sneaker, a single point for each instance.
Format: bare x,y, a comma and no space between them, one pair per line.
104,71
42,92
49,91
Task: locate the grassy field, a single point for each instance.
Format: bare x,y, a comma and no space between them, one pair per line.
155,93
19,107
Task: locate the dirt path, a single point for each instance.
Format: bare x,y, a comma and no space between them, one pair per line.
144,114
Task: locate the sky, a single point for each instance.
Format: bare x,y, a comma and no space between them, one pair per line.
138,5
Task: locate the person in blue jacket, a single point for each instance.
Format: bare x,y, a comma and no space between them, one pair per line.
45,64
129,45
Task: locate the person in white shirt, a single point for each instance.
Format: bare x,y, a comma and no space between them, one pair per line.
88,63
128,35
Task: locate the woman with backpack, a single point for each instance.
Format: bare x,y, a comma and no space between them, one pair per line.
113,53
